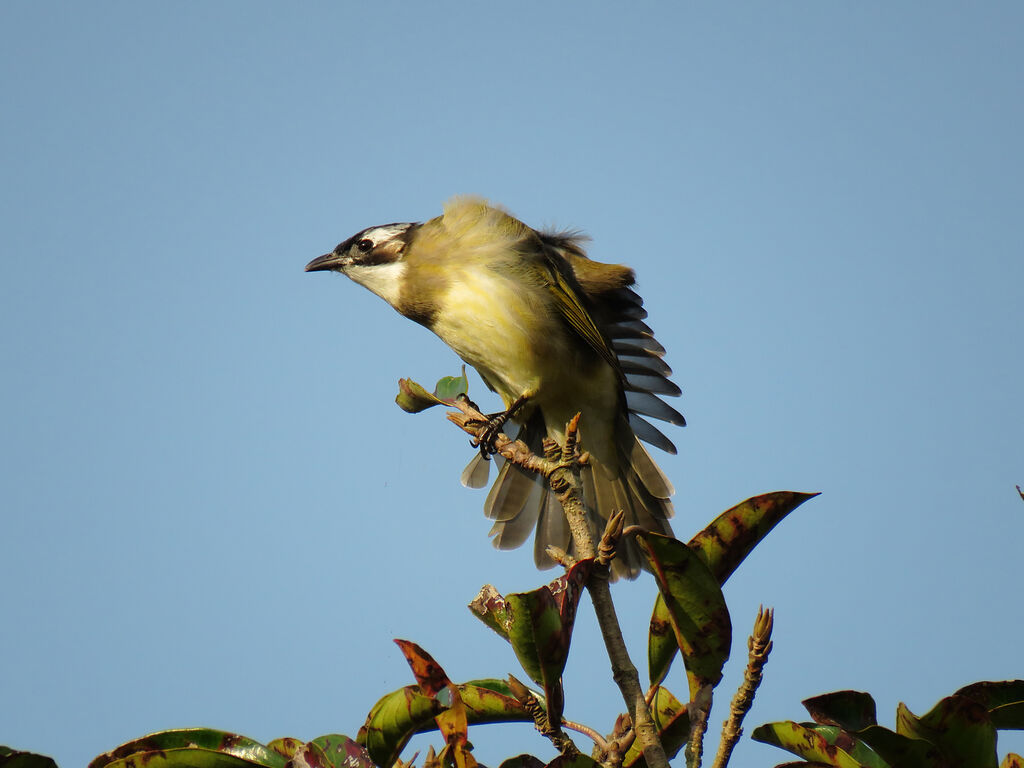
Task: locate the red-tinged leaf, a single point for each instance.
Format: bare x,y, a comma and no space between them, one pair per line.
960,728
202,739
428,673
733,535
695,606
14,758
491,609
334,751
850,710
394,719
673,724
1012,760
1004,700
286,747
805,741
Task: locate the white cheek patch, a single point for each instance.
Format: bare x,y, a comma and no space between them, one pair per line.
383,279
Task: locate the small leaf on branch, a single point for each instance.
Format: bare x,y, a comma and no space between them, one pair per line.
413,397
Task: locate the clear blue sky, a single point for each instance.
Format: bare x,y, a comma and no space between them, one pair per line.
213,514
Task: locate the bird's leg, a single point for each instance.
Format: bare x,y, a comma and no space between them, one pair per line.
491,428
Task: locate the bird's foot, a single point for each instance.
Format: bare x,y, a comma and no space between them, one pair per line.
490,427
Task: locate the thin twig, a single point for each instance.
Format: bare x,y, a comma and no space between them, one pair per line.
759,645
587,731
695,746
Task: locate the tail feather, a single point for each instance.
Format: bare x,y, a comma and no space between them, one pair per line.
519,502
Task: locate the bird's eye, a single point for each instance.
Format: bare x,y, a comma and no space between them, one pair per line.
364,245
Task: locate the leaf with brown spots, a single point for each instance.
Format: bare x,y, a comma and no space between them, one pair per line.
811,742
694,605
399,715
673,724
286,747
959,727
1004,701
332,751
394,719
490,607
540,627
733,535
723,545
428,673
183,757
182,741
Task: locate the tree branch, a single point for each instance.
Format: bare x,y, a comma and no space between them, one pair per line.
563,477
759,646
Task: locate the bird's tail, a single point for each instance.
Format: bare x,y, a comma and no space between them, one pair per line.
520,501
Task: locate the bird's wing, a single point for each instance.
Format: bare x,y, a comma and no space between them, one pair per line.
571,308
619,313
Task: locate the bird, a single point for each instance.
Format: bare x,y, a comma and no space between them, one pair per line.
553,333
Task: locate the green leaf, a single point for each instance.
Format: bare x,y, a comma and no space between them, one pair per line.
522,761
733,535
661,643
540,629
491,701
673,724
901,751
723,545
201,739
448,388
14,758
960,727
183,757
1004,700
809,741
394,719
850,710
695,607
413,397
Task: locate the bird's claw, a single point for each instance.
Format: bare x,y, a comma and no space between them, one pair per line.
487,435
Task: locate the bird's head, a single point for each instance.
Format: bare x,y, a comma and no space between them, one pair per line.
373,258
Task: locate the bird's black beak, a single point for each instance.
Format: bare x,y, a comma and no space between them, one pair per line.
329,261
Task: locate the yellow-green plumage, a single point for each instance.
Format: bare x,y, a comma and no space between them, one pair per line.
535,317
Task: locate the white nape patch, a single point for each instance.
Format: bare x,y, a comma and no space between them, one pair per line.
378,235
383,279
